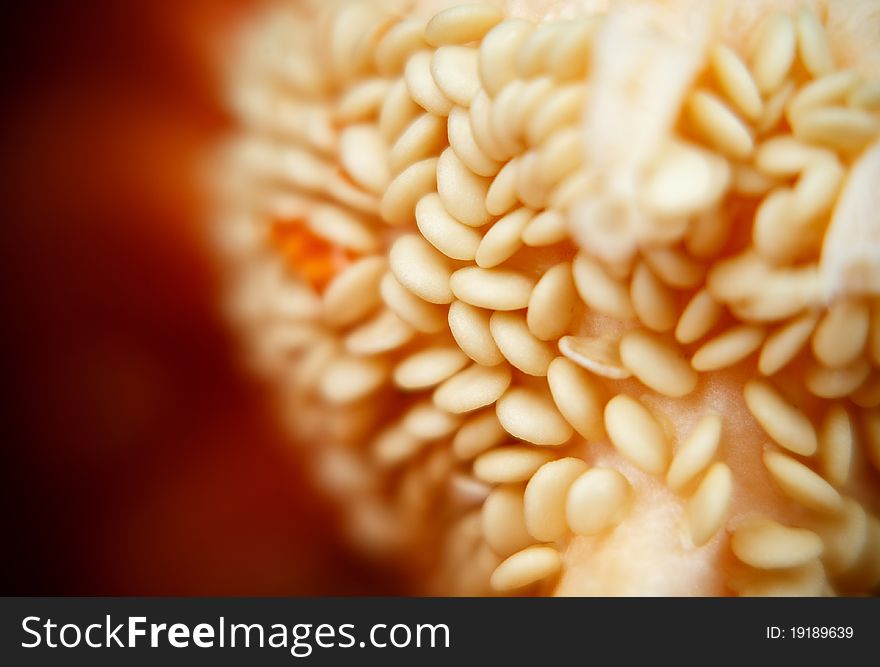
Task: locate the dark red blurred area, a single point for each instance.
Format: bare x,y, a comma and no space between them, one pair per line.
138,457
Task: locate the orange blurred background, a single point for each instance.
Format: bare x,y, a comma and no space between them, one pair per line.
140,458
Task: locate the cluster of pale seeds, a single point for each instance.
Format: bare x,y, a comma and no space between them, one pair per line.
465,356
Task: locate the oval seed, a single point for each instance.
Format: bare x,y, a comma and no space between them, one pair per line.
849,245
296,303
297,167
546,228
728,348
865,96
282,339
836,382
813,45
353,293
695,452
748,182
836,444
497,289
518,345
502,113
774,52
561,107
398,110
577,397
343,229
470,328
480,114
784,156
427,422
444,232
421,315
569,55
784,344
351,27
654,304
801,484
545,498
673,267
429,367
840,128
865,575
530,59
398,43
784,293
841,335
454,69
599,355
766,544
367,42
463,192
807,580
422,138
530,186
559,155
501,196
736,81
844,535
526,567
395,445
472,388
735,279
498,52
503,238
685,181
364,156
817,190
510,463
408,187
570,189
657,364
477,434
421,269
313,362
421,86
462,23
698,317
822,92
635,433
530,416
461,139
503,520
383,333
774,107
551,303
719,125
465,491
515,105
597,500
708,506
783,422
349,379
773,230
599,291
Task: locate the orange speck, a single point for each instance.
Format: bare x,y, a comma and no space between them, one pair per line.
315,260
